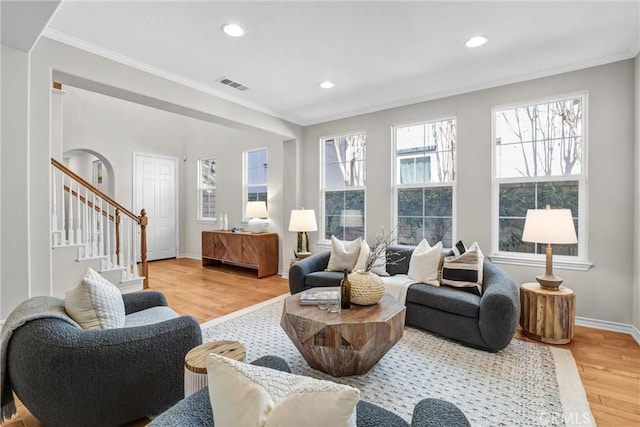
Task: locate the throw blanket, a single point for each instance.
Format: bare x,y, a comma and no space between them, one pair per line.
397,286
31,309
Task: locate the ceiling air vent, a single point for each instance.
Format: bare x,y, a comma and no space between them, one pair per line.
228,82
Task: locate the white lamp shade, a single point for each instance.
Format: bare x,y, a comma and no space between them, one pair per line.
303,220
256,210
554,226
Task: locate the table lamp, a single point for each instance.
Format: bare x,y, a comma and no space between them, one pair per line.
550,226
302,220
257,211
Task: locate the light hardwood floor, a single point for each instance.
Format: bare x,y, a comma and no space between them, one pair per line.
608,362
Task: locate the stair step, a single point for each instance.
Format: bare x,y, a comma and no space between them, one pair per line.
132,279
87,258
67,245
113,268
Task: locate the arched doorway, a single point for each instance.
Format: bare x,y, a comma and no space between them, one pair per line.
93,167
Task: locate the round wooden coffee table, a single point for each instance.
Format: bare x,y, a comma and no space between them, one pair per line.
195,362
349,342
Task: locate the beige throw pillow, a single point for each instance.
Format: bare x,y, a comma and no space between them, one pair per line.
343,254
249,395
424,265
95,303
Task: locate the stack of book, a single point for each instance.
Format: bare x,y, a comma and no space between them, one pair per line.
312,296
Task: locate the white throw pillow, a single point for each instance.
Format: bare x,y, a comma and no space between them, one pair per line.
95,303
424,264
343,254
249,395
465,271
381,263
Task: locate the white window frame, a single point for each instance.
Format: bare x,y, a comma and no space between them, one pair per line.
567,262
322,229
201,187
245,173
395,180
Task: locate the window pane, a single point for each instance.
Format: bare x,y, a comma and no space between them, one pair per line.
539,140
207,173
208,204
510,239
257,167
438,230
516,199
425,213
344,161
344,214
426,152
438,201
257,193
410,230
410,202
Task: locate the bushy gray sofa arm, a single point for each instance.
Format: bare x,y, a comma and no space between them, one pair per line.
68,376
438,413
499,307
298,271
139,301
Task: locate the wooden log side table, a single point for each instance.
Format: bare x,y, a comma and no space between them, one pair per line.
547,315
195,362
349,342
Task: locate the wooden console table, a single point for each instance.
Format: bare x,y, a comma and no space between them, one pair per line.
257,250
547,315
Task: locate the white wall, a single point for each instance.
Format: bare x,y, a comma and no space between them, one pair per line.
29,78
203,140
14,152
116,128
636,258
605,292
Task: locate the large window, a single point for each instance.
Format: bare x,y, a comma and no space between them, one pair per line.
207,189
255,176
424,181
343,185
539,161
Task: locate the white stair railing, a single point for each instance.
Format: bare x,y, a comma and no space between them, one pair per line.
85,217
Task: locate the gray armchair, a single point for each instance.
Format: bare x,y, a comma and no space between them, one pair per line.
196,409
68,376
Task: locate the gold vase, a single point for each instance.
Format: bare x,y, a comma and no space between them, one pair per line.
366,288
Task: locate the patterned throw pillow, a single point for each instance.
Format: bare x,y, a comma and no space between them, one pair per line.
95,303
344,255
424,264
249,395
464,271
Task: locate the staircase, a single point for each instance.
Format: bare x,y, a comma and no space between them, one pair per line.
90,229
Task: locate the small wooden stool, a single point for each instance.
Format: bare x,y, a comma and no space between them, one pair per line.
195,362
547,315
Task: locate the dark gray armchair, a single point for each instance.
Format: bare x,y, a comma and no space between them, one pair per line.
68,376
196,409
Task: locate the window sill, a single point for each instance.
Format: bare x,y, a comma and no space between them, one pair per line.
559,264
324,244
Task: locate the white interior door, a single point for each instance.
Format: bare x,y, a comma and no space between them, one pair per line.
156,193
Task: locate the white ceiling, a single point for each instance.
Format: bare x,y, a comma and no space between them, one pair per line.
379,54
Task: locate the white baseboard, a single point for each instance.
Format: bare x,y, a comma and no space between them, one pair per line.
191,256
609,326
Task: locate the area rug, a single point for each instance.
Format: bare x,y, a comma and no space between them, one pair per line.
525,384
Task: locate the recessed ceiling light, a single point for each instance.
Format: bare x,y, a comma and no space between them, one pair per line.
476,41
327,85
233,30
